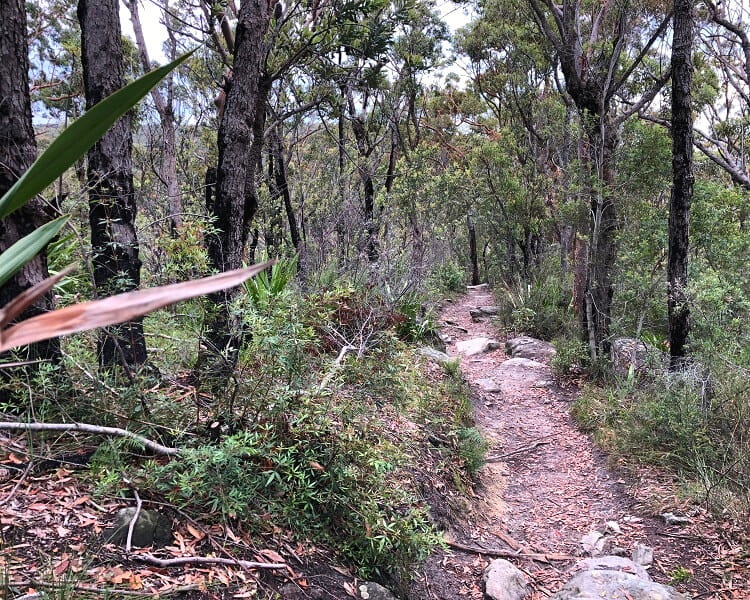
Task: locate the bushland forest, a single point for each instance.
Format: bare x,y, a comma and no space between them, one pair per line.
417,299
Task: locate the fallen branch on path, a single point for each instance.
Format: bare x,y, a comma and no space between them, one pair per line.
204,560
155,447
518,451
544,558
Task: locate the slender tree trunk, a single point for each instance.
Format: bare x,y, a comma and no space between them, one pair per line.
17,153
603,239
282,185
163,101
112,208
682,187
473,257
235,200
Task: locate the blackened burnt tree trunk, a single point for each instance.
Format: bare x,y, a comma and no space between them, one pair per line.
112,207
682,186
234,201
17,152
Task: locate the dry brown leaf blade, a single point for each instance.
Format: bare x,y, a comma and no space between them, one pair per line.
118,309
17,305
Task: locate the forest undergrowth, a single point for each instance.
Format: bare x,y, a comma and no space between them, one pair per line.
331,436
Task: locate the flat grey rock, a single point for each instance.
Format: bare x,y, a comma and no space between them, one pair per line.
528,347
434,355
375,591
477,346
489,385
503,581
523,363
613,578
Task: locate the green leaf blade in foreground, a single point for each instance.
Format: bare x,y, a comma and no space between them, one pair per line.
75,140
27,248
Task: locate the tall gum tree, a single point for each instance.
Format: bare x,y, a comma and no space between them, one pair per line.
17,152
234,198
112,206
682,186
596,45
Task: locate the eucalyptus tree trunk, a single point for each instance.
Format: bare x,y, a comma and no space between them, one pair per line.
112,207
17,153
234,201
164,103
682,186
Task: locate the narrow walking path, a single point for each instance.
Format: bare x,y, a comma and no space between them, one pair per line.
546,486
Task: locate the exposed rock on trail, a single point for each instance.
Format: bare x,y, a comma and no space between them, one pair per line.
546,486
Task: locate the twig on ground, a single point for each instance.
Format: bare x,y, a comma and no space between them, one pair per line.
545,558
205,560
18,484
539,442
133,521
82,587
155,447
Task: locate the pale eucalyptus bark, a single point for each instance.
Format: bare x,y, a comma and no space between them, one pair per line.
164,104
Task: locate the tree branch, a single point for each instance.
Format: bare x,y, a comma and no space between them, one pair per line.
155,447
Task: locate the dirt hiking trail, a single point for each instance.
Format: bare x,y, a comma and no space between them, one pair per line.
545,486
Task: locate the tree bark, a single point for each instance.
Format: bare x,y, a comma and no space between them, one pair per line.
17,153
234,201
473,258
112,208
163,102
682,186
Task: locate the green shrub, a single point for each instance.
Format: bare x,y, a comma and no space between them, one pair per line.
310,475
572,356
447,277
472,448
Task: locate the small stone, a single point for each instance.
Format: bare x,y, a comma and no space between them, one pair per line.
673,519
489,385
593,543
503,581
375,591
151,529
481,286
490,311
613,527
643,555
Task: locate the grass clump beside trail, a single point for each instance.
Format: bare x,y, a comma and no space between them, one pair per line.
693,424
336,452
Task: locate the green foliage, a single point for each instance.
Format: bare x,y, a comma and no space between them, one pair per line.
310,474
447,277
472,448
541,308
265,287
694,424
572,356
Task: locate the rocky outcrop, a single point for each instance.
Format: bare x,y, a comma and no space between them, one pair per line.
531,348
477,346
613,578
503,581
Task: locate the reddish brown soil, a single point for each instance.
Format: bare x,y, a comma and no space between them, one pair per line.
556,487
